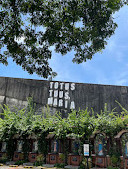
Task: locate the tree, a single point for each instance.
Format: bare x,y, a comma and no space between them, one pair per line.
28,28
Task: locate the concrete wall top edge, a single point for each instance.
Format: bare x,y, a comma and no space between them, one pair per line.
93,84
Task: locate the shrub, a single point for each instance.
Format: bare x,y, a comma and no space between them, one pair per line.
3,161
62,156
59,165
40,158
84,163
110,167
115,160
20,162
38,163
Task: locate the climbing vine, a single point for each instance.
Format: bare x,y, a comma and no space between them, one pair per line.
79,124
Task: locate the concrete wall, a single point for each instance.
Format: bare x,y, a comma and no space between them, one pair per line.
14,92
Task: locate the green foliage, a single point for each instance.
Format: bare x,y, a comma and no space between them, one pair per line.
110,122
79,125
4,159
20,162
43,145
10,148
114,155
82,166
62,157
26,147
40,158
113,152
110,167
29,28
114,160
38,163
84,163
59,165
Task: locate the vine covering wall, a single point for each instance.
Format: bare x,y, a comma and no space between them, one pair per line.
79,124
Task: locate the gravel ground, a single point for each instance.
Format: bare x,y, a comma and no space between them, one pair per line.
19,167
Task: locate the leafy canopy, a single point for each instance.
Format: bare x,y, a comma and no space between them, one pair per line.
29,28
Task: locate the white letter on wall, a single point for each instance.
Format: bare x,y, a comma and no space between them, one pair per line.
60,103
66,86
67,96
50,101
56,85
72,106
61,86
55,93
55,102
50,91
66,104
72,86
51,84
60,94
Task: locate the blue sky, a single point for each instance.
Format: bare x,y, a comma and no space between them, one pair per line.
109,67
